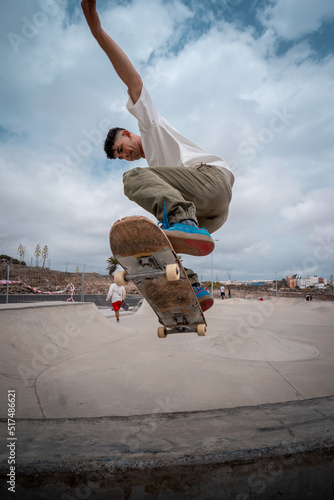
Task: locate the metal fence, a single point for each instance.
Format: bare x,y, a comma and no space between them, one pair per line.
29,281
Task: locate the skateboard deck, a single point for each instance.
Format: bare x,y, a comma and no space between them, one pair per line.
149,260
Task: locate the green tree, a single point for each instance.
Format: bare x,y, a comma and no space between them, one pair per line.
112,265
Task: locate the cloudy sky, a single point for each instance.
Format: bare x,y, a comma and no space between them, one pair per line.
248,80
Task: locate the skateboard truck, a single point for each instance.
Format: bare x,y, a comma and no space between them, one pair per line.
172,272
149,261
180,319
181,326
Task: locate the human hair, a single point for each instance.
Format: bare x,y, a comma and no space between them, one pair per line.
110,140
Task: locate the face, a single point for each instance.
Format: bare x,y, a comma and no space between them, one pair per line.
128,147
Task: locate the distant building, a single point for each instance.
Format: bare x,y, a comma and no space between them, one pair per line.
301,283
297,281
292,281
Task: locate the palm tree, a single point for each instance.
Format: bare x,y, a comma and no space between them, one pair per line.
112,265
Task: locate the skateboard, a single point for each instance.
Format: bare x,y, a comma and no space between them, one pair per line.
149,260
125,306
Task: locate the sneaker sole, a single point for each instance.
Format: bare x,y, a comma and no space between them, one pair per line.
198,245
206,303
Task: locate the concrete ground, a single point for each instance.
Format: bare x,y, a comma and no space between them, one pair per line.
113,395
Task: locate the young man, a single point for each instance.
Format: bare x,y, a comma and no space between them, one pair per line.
222,292
117,295
187,189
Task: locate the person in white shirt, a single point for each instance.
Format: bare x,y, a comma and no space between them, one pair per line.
117,295
187,189
222,292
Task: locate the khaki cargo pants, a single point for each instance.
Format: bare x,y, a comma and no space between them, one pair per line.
201,193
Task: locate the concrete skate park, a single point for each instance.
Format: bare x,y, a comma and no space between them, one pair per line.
107,410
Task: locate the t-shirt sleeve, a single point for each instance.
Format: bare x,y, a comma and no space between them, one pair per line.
110,291
144,110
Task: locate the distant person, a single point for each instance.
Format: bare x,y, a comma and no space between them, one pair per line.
117,295
186,188
229,293
222,292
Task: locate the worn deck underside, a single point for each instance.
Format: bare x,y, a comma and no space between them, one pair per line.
136,240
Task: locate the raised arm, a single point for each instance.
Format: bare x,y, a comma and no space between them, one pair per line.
122,64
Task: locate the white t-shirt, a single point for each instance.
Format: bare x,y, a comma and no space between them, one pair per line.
163,144
116,293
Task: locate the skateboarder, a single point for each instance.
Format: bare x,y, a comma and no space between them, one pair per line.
184,187
117,295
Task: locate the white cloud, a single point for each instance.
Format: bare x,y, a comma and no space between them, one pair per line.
269,116
292,19
149,26
314,209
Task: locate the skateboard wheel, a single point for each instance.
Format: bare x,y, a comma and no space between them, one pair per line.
172,272
162,332
201,330
119,278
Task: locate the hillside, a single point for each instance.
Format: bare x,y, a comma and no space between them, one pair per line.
48,280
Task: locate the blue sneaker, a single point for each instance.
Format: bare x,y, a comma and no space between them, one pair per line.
190,240
204,298
186,237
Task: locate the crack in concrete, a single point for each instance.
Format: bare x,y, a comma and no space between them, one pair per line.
299,396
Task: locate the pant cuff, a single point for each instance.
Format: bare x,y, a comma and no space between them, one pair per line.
179,214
